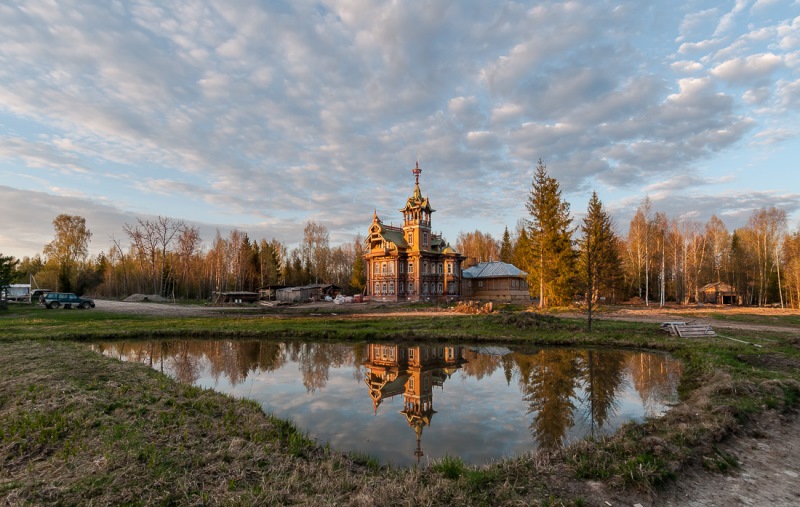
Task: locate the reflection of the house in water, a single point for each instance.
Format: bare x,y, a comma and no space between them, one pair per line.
410,371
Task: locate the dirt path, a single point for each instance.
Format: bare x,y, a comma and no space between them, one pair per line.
768,475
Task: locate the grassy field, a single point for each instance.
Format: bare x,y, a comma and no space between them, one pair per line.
79,428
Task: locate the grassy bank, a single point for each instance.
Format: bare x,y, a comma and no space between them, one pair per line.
76,427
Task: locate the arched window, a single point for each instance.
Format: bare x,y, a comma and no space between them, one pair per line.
377,288
384,287
425,288
410,287
440,288
391,287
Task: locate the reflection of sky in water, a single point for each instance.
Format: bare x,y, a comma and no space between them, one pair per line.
477,420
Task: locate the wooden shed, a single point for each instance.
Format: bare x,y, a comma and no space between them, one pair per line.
313,292
719,293
495,281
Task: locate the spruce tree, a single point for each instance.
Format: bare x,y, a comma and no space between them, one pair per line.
358,280
599,263
506,250
552,260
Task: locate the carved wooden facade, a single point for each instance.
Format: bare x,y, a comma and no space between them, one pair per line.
411,263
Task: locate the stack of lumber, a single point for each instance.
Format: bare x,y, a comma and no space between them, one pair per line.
688,329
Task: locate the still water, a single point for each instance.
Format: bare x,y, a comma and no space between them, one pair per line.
408,403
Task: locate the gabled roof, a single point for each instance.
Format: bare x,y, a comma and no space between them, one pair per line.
492,270
717,286
394,236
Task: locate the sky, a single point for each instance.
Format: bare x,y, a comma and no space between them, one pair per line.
263,115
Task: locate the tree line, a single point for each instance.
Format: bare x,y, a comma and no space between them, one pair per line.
167,257
662,259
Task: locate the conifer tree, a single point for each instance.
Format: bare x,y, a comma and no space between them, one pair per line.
359,278
599,263
506,250
552,259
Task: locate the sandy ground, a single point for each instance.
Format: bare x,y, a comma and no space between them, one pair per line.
769,455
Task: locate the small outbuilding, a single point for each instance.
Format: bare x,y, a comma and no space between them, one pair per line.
495,281
222,298
719,293
18,292
313,292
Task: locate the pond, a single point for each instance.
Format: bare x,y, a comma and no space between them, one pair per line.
407,403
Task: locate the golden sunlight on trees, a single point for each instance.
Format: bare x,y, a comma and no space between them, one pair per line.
478,247
598,259
69,248
552,259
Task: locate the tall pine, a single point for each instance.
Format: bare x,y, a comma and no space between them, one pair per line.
598,259
506,248
552,261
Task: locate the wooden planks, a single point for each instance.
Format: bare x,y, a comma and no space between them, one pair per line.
688,330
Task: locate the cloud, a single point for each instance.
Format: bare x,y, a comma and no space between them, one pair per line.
265,115
751,69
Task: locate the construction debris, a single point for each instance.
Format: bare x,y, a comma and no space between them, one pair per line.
473,307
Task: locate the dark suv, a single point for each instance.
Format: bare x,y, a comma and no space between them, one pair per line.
67,299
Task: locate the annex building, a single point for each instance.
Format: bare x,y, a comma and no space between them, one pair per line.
411,263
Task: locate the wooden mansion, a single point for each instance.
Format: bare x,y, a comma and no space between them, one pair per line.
411,263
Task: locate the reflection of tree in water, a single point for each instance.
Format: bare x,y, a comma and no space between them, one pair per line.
655,378
236,360
548,381
183,359
603,374
315,360
480,365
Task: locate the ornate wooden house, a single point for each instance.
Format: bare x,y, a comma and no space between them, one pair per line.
411,263
410,372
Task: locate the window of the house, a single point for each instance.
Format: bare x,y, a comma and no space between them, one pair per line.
425,288
384,268
391,287
410,267
480,283
376,268
440,288
410,237
449,268
425,267
377,288
424,239
402,266
410,287
399,287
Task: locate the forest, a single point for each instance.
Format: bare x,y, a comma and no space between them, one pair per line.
662,259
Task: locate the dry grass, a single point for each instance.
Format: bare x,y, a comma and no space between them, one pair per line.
79,428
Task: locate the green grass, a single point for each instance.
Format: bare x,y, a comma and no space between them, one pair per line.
77,427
